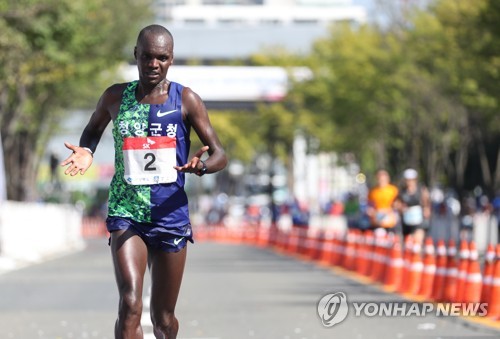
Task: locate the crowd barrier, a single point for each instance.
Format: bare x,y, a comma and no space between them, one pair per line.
31,232
430,272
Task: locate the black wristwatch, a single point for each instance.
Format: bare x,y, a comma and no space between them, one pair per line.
203,170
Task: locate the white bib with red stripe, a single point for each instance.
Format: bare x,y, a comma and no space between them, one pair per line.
149,160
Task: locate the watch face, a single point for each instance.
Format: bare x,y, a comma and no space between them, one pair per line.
203,170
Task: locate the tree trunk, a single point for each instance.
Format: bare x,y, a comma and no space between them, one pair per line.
496,177
21,167
461,158
380,153
483,161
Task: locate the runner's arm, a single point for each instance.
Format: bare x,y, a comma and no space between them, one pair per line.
426,203
194,110
81,157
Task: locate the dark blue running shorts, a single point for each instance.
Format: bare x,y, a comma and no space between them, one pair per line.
171,239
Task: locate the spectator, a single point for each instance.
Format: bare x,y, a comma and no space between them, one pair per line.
469,208
352,211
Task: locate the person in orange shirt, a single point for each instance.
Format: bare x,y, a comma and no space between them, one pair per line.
381,198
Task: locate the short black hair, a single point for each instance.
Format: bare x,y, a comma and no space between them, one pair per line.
154,29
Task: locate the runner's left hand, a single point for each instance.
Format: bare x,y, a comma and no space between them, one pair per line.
194,165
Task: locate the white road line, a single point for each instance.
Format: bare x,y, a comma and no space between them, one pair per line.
146,319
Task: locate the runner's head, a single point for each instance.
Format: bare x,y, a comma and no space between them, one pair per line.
383,177
410,174
154,53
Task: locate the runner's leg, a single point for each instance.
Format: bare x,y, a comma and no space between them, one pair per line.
167,269
129,254
419,235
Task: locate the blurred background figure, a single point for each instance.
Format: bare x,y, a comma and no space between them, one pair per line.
352,211
54,165
414,205
495,204
466,221
381,199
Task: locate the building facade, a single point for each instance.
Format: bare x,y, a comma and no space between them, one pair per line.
235,29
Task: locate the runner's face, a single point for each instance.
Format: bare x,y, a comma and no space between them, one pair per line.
383,178
411,183
154,55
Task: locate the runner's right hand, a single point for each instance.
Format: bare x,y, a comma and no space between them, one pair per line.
79,161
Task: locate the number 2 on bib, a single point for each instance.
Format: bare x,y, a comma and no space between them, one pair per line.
149,160
149,165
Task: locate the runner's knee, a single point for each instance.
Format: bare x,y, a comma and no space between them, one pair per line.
165,324
130,307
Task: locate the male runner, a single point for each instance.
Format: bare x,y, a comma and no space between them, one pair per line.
148,209
414,203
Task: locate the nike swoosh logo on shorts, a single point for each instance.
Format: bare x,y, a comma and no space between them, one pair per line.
177,241
162,114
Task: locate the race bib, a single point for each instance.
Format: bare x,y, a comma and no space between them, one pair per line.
149,160
386,218
413,216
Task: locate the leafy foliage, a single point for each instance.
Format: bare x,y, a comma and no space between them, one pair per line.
53,55
422,92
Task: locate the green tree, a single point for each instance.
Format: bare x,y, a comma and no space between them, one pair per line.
453,43
54,54
352,95
420,93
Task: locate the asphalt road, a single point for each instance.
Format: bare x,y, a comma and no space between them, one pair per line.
228,292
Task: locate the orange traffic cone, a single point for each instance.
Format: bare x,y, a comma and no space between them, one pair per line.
320,242
494,302
394,274
463,269
489,267
473,281
429,270
440,276
450,289
279,239
273,235
360,253
338,249
369,248
263,236
301,249
378,257
407,255
327,249
350,251
416,269
292,245
386,247
310,243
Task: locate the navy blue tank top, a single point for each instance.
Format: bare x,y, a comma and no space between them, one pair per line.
140,131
